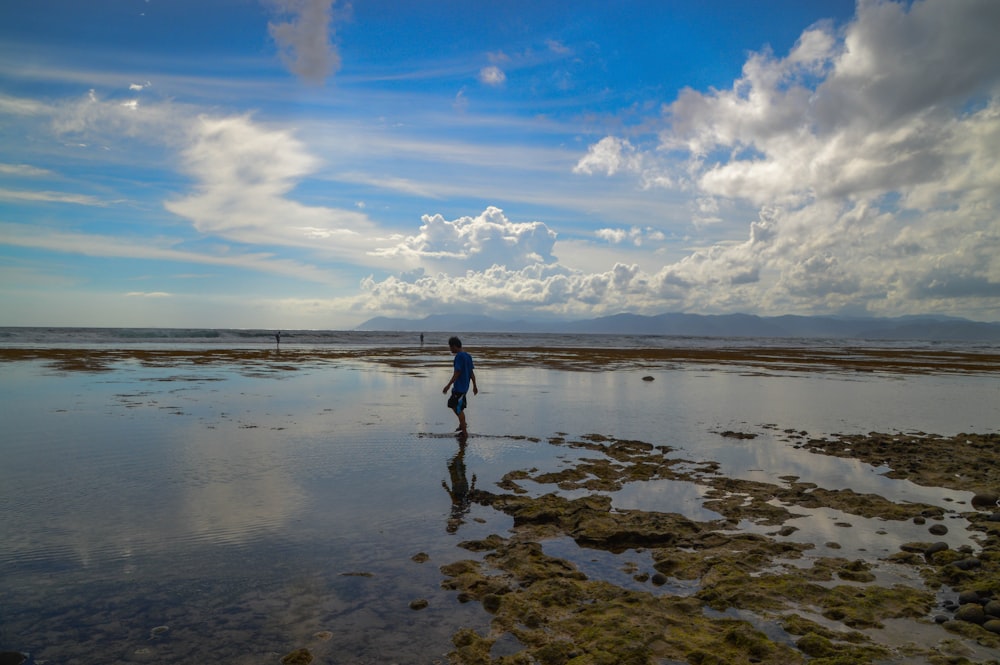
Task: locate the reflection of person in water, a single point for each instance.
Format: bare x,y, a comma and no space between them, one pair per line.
460,490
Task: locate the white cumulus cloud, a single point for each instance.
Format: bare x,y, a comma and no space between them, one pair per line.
475,243
244,173
870,152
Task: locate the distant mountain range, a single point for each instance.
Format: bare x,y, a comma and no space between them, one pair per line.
922,328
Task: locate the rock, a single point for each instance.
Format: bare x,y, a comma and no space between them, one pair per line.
491,603
920,519
935,548
658,579
938,529
815,645
985,500
941,618
967,564
418,604
993,625
730,434
971,612
297,657
992,608
994,517
648,378
420,557
967,597
12,658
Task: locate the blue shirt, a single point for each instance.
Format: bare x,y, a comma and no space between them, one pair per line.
463,364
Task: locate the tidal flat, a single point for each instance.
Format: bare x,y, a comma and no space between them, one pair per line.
256,505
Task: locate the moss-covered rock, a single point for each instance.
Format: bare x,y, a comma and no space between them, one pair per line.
561,616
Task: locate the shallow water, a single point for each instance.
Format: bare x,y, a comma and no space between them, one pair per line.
173,514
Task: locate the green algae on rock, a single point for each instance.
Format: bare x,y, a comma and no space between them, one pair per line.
562,617
298,657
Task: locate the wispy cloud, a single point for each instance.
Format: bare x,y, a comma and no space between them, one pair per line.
51,197
90,244
148,294
24,170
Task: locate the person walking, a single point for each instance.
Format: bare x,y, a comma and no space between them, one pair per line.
463,375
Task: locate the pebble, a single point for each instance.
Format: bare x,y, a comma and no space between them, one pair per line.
938,529
420,604
992,608
993,625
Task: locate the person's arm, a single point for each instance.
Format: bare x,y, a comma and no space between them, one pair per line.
475,388
454,378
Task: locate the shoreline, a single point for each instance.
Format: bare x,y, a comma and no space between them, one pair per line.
821,359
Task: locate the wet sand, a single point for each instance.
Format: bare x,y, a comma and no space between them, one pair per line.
736,584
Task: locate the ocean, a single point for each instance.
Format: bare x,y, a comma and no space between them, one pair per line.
179,496
41,337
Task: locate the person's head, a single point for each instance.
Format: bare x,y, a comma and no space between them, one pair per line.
455,344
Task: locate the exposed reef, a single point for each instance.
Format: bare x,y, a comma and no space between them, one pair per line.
753,598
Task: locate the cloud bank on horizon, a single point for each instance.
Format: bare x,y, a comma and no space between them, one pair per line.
314,164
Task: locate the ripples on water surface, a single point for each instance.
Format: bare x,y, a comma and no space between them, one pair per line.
178,513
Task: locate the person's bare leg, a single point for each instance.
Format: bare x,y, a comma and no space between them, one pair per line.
461,422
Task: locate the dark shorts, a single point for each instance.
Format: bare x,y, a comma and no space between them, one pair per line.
457,402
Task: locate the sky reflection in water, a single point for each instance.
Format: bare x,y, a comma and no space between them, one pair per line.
290,483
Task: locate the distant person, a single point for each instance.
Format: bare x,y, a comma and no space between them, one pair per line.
277,338
459,384
421,339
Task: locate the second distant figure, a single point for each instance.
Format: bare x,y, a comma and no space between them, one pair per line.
463,375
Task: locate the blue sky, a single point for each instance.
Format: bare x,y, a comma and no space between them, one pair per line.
312,164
